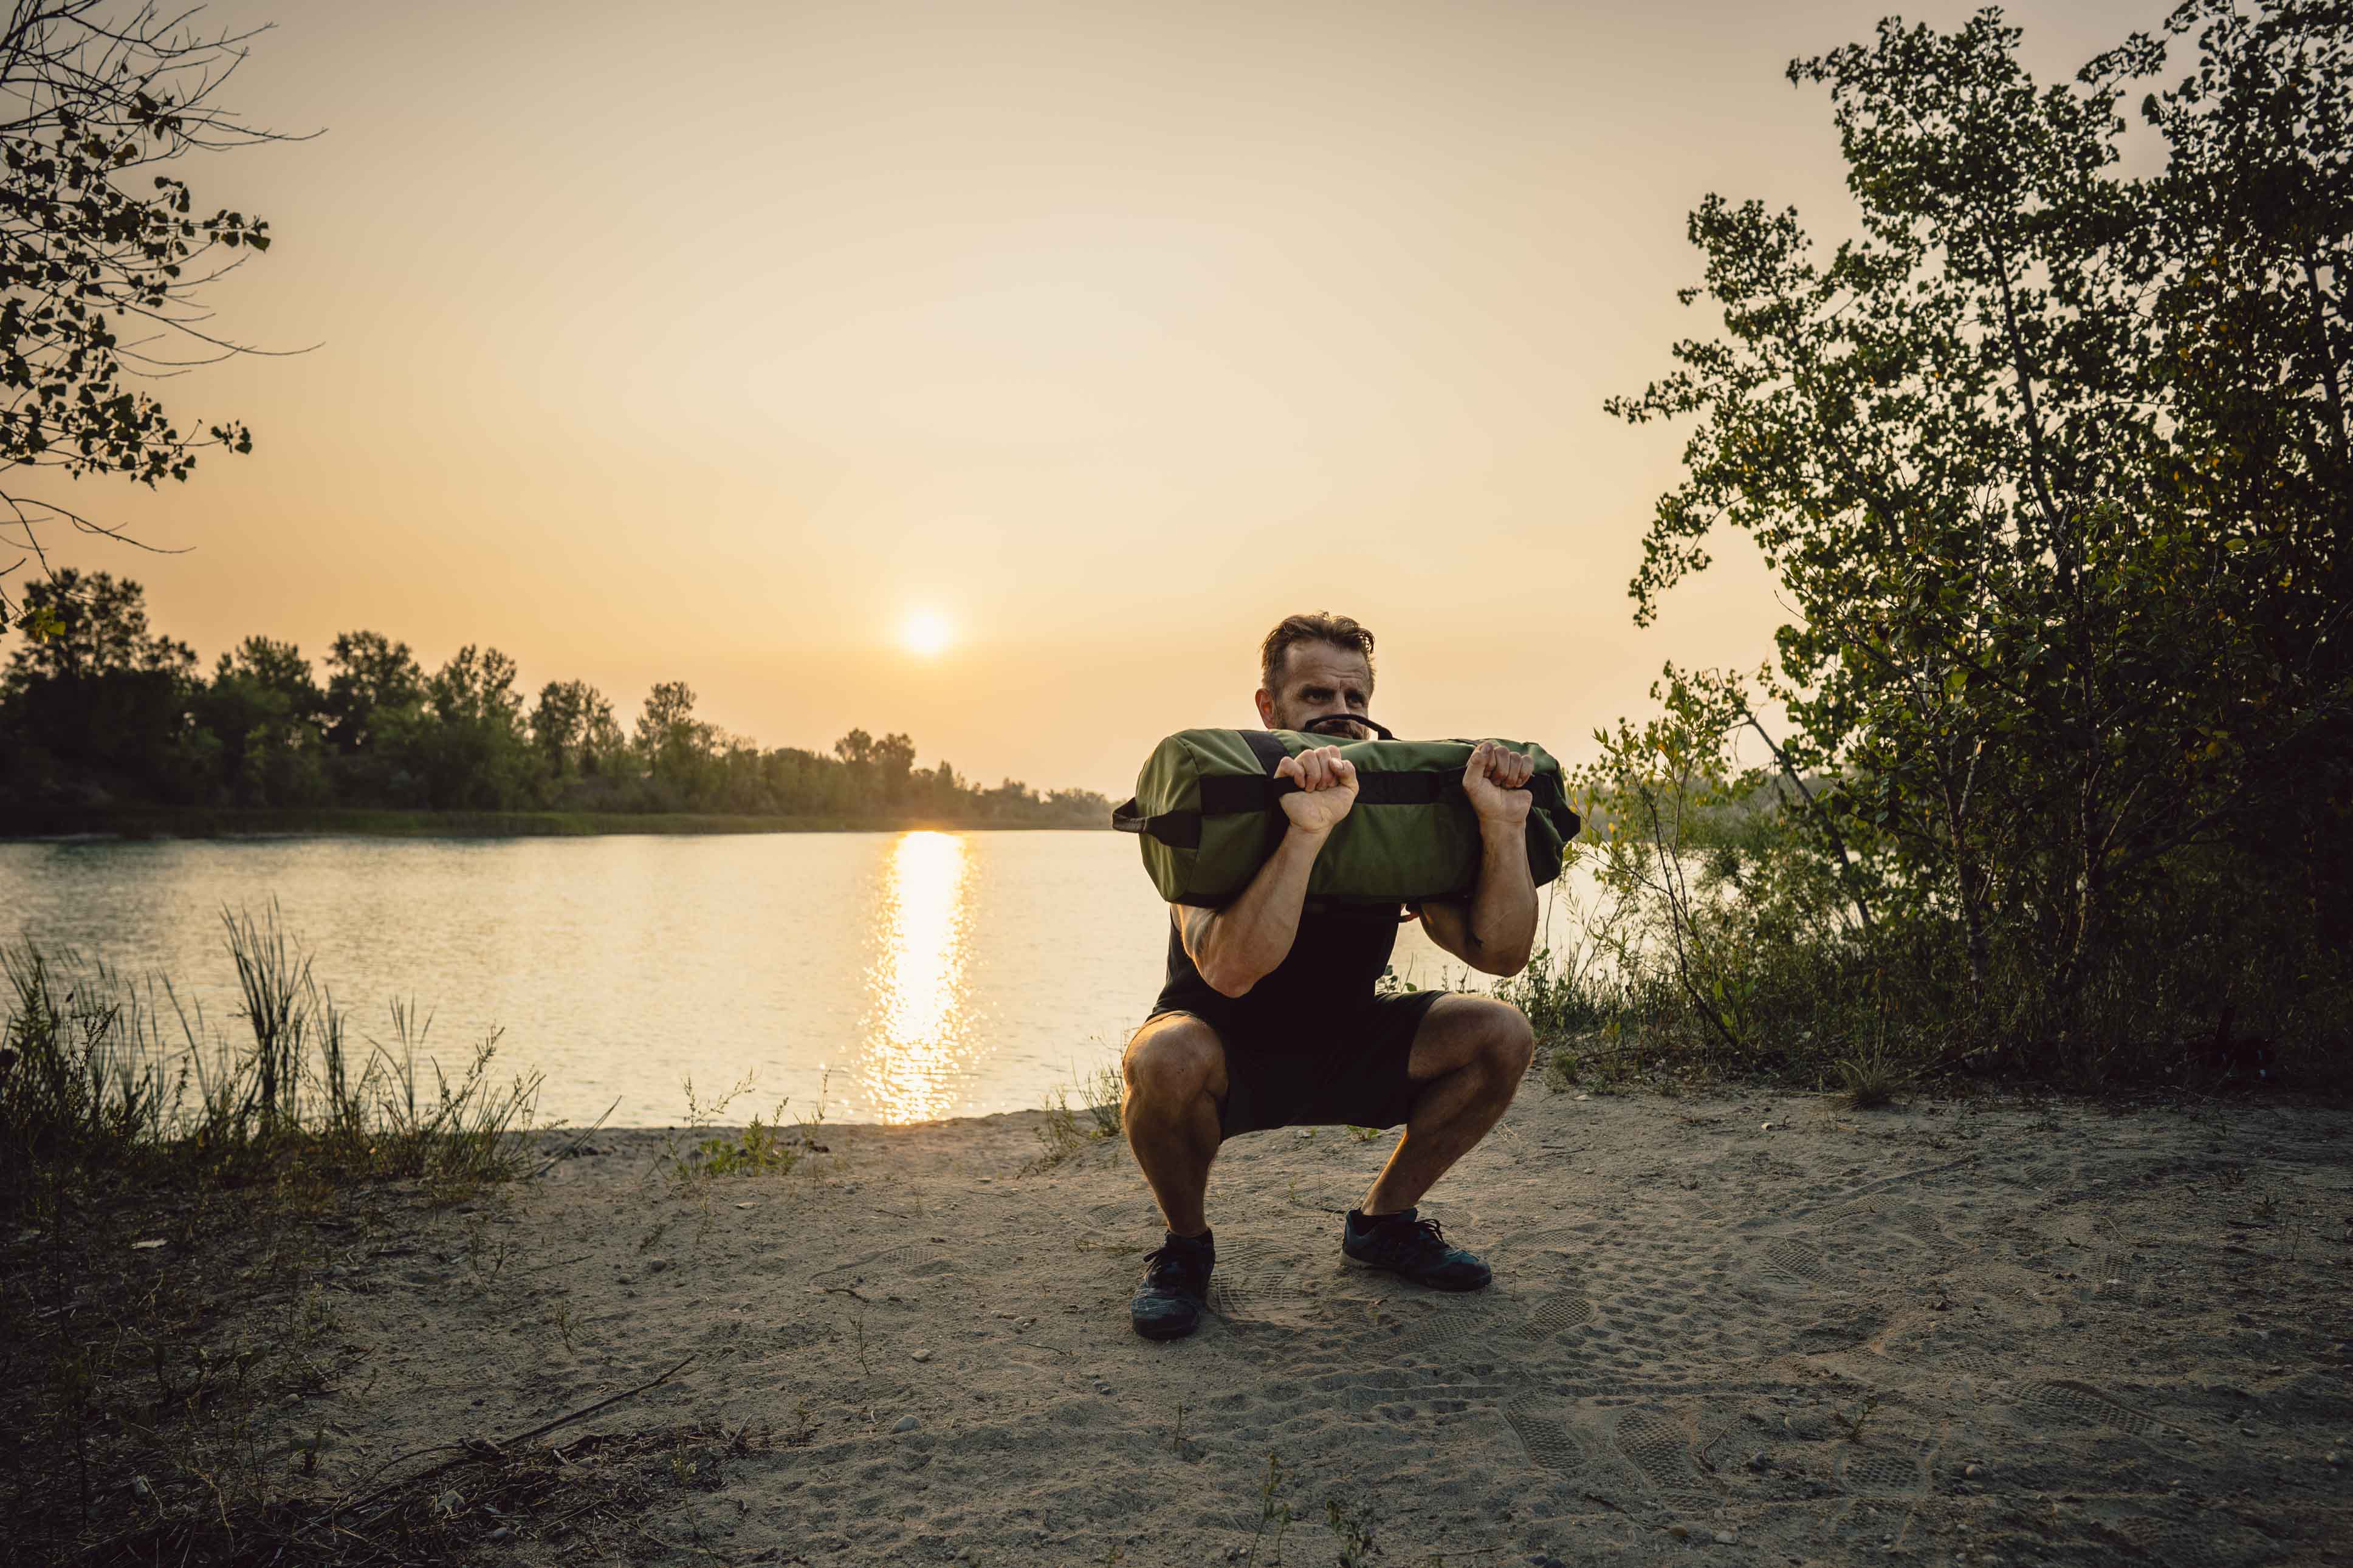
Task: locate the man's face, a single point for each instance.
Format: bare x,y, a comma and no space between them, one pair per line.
1317,678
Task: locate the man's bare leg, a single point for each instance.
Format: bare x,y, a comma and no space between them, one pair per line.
1468,1055
1176,1074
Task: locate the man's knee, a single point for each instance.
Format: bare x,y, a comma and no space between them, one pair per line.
1176,1060
1508,1042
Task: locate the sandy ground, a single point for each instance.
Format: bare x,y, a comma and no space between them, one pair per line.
1937,1334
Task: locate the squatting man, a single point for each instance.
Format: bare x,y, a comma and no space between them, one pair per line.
1270,1015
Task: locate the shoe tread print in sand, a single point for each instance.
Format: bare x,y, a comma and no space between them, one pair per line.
1833,1356
1847,1287
906,1263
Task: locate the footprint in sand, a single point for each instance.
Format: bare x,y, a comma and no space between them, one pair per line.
915,1260
1489,1328
1547,1437
1411,1401
1126,1217
1659,1447
2209,1543
1449,1326
1800,1261
2115,1276
1847,1325
1870,1472
2065,1401
1555,1238
1557,1314
1811,1267
1920,1223
1254,1283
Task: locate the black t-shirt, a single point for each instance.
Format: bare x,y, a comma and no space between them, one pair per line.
1332,965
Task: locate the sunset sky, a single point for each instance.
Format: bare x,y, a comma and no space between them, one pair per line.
755,344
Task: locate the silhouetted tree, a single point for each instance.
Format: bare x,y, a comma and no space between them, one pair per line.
98,708
894,763
372,677
856,749
570,725
672,742
95,96
473,752
265,708
374,705
105,712
2052,467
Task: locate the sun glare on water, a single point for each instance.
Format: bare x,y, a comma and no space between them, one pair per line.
926,632
919,1023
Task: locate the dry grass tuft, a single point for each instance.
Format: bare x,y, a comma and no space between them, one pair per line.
1866,1083
1067,1131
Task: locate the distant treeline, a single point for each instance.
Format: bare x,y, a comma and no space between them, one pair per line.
98,714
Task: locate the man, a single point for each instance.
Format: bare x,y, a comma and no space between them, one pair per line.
1270,1018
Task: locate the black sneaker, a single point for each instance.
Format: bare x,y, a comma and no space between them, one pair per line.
1173,1294
1415,1248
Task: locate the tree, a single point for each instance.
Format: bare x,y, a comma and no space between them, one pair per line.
894,763
101,705
472,753
265,708
669,738
374,701
572,727
95,96
2257,349
2068,583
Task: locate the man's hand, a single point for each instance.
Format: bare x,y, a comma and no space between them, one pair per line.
1495,781
1327,788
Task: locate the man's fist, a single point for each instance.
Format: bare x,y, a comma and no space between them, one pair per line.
1495,780
1327,788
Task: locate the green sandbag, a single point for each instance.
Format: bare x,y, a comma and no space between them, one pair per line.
1208,813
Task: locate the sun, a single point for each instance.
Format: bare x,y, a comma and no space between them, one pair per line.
925,633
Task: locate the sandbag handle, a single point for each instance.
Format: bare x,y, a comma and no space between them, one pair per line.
1378,728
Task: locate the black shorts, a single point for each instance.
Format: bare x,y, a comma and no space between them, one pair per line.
1357,1079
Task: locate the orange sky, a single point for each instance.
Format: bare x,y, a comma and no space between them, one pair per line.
711,341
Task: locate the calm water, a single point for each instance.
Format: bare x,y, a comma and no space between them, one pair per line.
920,975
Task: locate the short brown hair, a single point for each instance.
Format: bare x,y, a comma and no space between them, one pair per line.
1340,631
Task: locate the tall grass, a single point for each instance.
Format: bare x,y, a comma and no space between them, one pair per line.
102,1072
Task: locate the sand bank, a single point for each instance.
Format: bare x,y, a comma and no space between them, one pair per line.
1746,1327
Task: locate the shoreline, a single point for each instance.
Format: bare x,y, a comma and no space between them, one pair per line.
270,823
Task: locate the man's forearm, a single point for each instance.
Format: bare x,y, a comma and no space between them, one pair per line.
1237,946
1504,912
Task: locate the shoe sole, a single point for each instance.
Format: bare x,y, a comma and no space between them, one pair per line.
1352,1261
1164,1334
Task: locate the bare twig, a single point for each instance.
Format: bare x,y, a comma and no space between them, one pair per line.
478,1448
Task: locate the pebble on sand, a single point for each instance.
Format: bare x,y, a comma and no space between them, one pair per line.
907,1424
922,1355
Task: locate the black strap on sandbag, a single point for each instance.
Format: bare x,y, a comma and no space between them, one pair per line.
1177,829
1227,793
1265,748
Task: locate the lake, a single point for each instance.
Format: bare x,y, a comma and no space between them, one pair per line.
908,975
